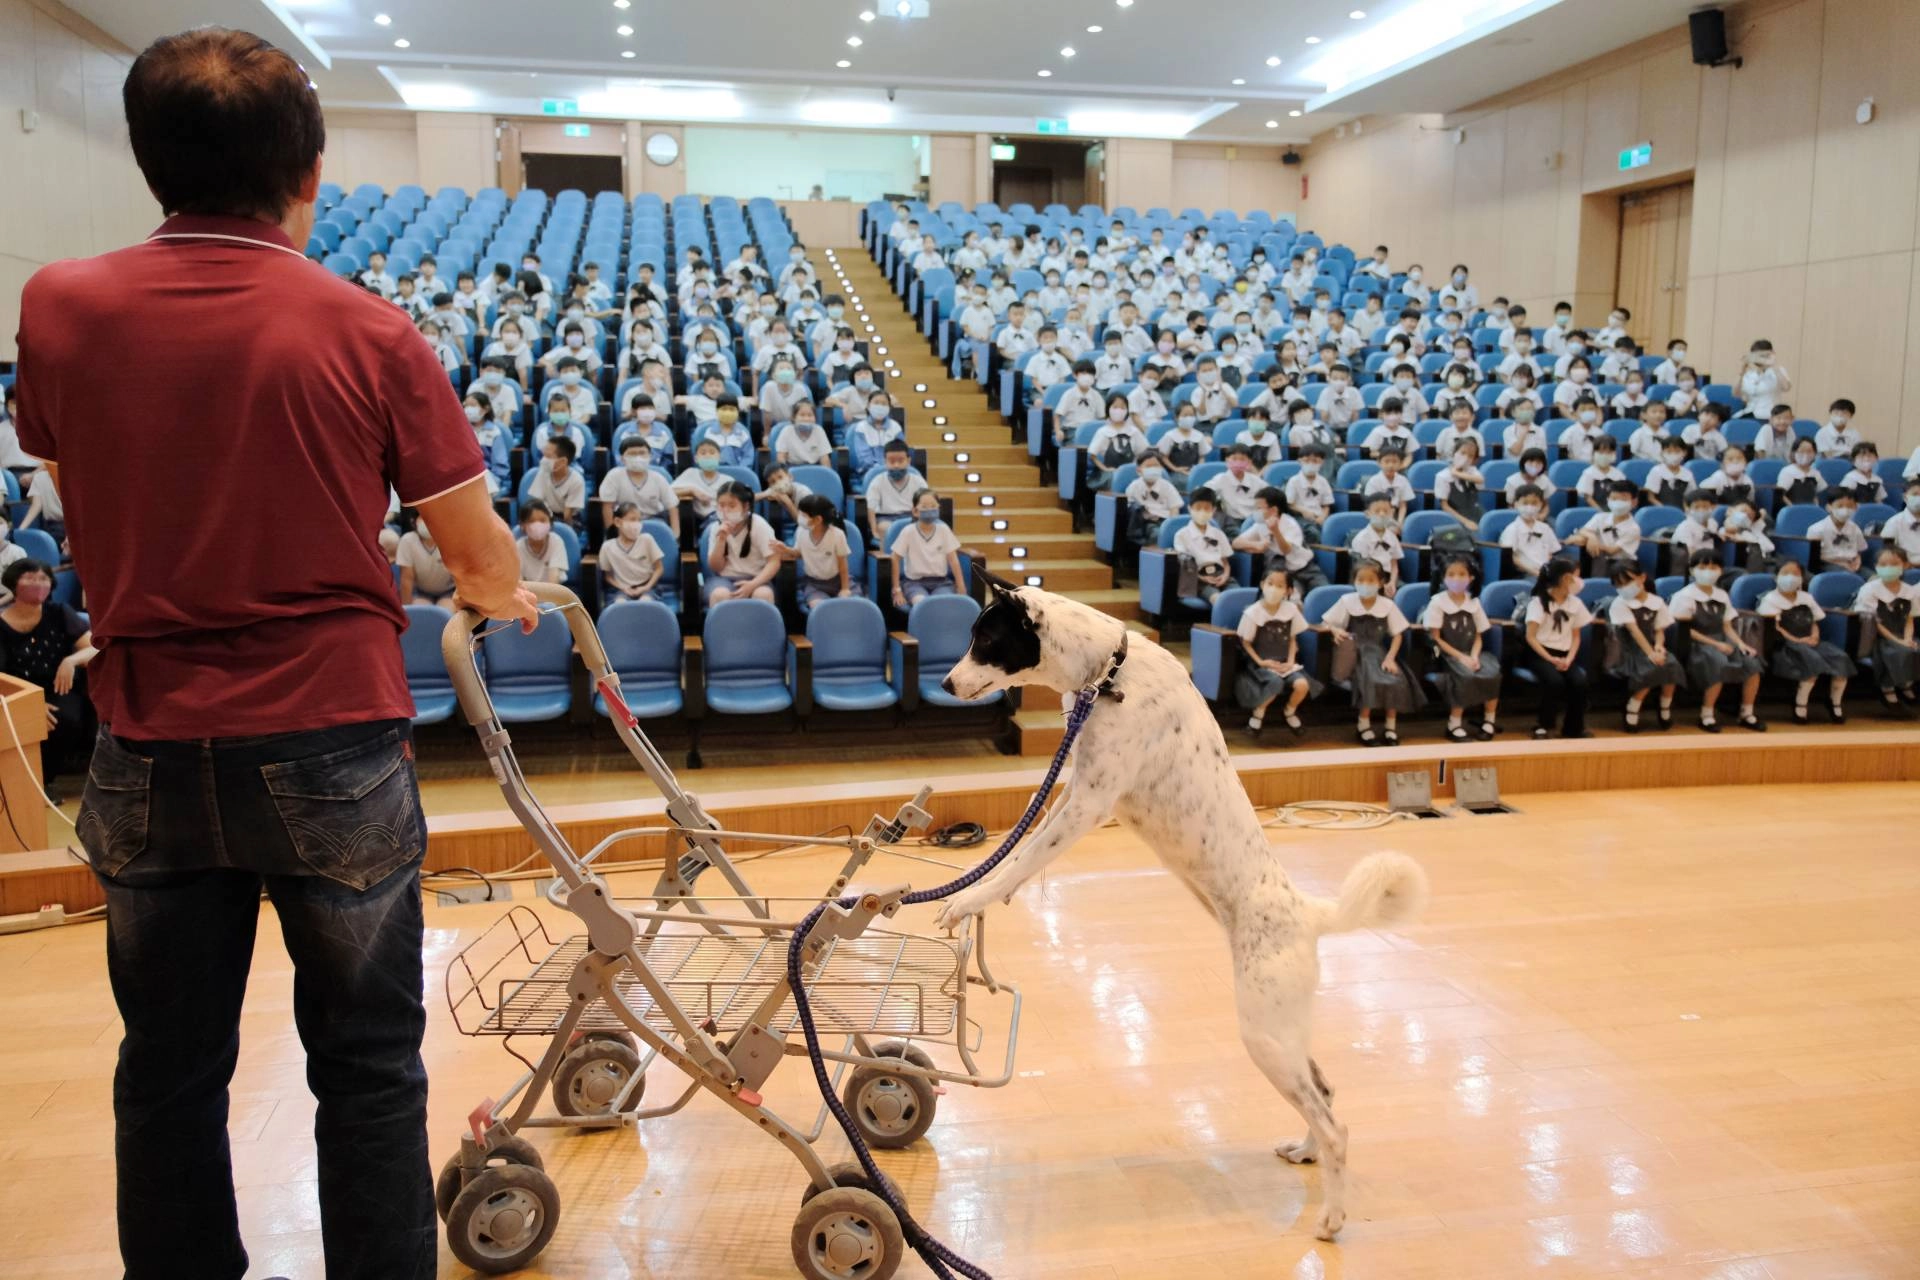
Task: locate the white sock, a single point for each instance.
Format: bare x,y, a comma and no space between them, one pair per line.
1453,720
1254,722
1706,715
1633,713
1365,723
1746,711
1293,721
1801,694
1666,701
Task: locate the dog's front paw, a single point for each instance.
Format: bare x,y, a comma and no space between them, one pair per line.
1330,1223
1305,1151
954,911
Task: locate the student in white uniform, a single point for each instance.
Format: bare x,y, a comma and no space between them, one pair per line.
1391,482
1378,543
1799,654
1205,544
1146,400
1649,438
1903,528
1777,437
1340,403
636,484
1458,294
424,576
1729,484
1118,441
1269,631
820,545
543,557
740,554
1530,538
1863,480
1578,440
1152,500
631,562
1611,537
1235,490
1640,619
1887,604
1533,471
700,483
891,490
1368,620
1719,654
1080,404
1667,372
1837,436
1276,538
1469,672
558,482
1556,619
927,556
1763,380
1458,489
1393,431
1047,366
1841,541
1594,484
1522,434
803,442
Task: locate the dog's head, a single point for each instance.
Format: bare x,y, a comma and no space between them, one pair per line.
1005,649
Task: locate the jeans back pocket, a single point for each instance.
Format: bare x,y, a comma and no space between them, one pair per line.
351,814
115,805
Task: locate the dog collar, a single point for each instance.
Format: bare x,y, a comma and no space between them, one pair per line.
1104,688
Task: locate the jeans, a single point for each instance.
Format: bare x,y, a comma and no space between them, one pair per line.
184,836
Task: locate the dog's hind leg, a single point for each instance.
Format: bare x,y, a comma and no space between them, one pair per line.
1273,1025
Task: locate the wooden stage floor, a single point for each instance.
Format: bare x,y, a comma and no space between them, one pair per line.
1668,1034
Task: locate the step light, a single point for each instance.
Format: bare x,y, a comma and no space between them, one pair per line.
918,386
999,524
928,403
886,364
1018,553
948,438
1033,579
986,499
941,421
962,458
883,351
973,477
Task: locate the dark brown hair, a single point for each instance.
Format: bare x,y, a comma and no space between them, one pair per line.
222,122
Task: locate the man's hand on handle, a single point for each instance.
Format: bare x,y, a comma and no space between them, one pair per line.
519,607
480,553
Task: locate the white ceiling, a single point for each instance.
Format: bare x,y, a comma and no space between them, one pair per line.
969,65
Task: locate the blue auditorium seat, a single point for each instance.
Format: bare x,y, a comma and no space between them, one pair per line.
849,639
942,627
427,679
642,639
745,647
529,677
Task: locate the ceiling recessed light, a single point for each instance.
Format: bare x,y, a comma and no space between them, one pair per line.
622,4
1294,114
1066,51
623,30
854,42
866,15
626,53
1273,60
402,43
1313,39
1095,29
382,20
1124,4
843,64
904,8
1043,73
1239,79
1358,14
1273,124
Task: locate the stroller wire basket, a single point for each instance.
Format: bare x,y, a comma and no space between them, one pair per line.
702,980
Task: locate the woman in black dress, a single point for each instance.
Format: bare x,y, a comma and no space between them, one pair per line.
48,644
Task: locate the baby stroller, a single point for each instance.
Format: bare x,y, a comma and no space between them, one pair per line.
702,981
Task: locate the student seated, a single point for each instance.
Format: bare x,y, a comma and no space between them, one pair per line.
926,556
1393,431
1152,500
1370,622
891,490
543,557
1530,538
803,442
781,392
1234,490
1457,490
700,483
820,545
782,495
1838,436
631,562
1379,544
1203,548
1277,539
1799,654
1469,672
1841,540
1602,472
1705,436
741,562
872,437
1729,483
1719,653
1640,619
1887,605
1269,632
1308,492
1611,538
1903,529
424,576
1118,441
1863,480
557,483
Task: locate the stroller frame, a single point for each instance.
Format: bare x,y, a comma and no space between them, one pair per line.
702,981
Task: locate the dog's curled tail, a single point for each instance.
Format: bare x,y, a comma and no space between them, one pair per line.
1382,890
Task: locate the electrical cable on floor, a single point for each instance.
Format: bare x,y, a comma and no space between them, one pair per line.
1335,815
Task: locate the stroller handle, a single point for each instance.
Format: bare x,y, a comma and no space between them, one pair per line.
456,646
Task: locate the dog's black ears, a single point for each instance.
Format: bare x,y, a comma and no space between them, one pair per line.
997,585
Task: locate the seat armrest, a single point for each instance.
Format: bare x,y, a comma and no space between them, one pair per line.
1159,579
689,585
976,571
903,650
800,672
884,568
1216,654
694,679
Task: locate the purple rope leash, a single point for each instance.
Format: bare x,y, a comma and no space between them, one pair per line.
938,1255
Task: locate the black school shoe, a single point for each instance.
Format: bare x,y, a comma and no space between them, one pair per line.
1710,726
1800,716
1664,718
1391,738
1838,712
1753,724
1367,737
1631,726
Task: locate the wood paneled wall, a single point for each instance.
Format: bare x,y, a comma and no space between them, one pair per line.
1806,224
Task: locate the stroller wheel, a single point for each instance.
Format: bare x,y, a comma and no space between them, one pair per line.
591,1076
900,1049
509,1150
890,1110
502,1219
848,1233
851,1174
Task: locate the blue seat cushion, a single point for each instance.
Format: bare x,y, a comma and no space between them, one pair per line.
432,708
853,695
646,704
933,695
535,704
749,699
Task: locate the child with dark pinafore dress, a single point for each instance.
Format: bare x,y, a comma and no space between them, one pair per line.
1799,653
1640,619
1719,654
1269,633
1376,628
1469,674
1886,606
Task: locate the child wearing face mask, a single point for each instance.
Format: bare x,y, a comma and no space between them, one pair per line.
1520,391
1649,437
1640,619
843,359
1146,400
1632,401
1523,435
573,384
851,396
780,391
1669,481
1601,474
631,562
543,557
1259,439
740,561
1390,481
782,496
1730,484
803,442
1902,530
634,483
1611,538
512,350
1698,532
1236,489
700,483
1047,366
1668,371
558,483
1341,402
1577,441
927,556
1080,404
1458,390
1841,541
891,490
1275,537
1688,397
1117,442
1576,385
1556,621
1457,490
1532,473
869,438
1530,538
424,577
1798,481
1838,436
1152,500
1379,543
1204,546
1368,620
821,547
1308,492
1799,654
491,439
1886,609
730,432
1406,389
1745,529
1863,480
1705,436
1469,674
1393,431
1269,632
1718,653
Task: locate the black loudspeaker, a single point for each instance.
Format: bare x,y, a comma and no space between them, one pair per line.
1290,156
1709,30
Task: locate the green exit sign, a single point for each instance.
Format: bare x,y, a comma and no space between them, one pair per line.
1046,125
1636,157
559,107
577,130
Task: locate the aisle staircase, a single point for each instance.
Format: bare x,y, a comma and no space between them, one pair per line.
1026,533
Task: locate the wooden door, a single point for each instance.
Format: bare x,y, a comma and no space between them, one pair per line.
513,174
1655,228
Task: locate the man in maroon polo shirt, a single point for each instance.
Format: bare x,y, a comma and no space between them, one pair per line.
226,418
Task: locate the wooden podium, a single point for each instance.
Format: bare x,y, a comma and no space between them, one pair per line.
30,873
